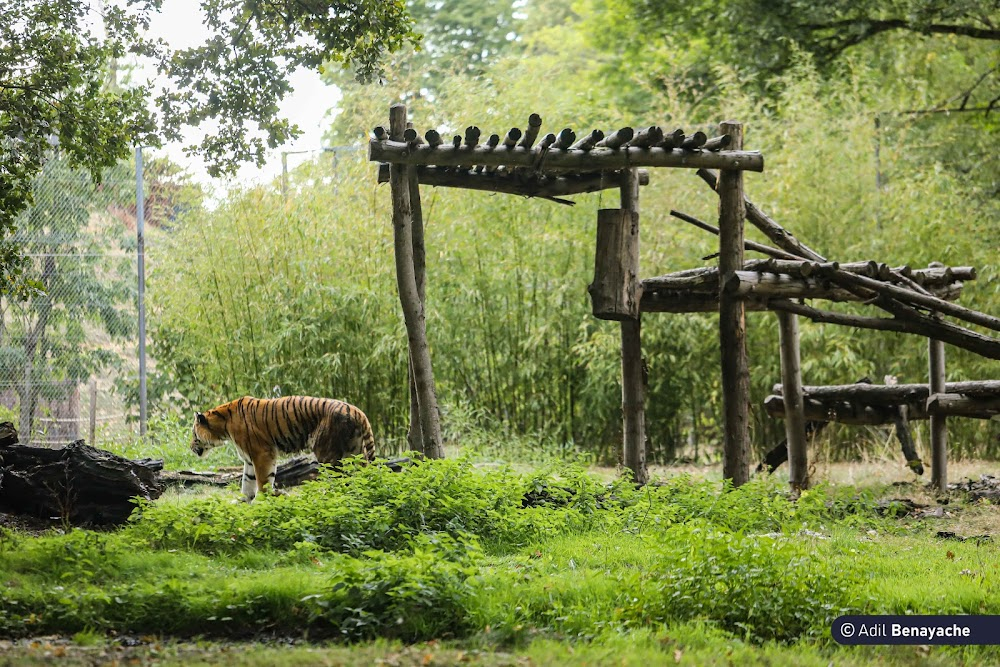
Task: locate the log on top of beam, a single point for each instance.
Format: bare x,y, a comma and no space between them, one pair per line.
598,159
616,139
510,139
674,140
564,139
534,125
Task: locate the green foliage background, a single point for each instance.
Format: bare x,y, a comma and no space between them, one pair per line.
295,293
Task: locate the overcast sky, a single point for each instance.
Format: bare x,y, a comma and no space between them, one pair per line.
180,24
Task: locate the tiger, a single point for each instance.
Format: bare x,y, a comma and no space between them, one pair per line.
263,428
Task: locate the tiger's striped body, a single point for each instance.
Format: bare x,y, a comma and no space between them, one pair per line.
264,428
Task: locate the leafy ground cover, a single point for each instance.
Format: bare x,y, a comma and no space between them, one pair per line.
450,562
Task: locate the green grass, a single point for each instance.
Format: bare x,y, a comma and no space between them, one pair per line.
690,572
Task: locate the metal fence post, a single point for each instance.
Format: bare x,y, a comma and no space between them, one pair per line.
140,214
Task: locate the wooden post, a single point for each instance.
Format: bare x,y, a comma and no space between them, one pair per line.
939,424
415,436
633,382
409,297
732,320
93,412
791,393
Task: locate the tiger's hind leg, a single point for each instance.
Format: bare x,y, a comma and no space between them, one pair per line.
336,438
265,467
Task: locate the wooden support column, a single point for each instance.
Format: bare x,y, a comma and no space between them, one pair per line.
409,297
791,393
415,436
939,423
732,319
633,381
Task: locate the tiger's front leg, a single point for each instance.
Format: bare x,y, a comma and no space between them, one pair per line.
249,485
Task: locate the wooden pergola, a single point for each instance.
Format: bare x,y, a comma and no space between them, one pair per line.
559,165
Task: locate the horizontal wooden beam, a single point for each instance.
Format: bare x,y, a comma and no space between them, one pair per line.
963,406
892,394
525,184
598,159
861,413
843,412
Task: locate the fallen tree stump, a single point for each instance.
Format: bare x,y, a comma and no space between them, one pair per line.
77,484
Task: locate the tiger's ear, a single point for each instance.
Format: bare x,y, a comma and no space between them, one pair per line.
202,419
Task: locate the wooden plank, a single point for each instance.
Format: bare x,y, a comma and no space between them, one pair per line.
615,290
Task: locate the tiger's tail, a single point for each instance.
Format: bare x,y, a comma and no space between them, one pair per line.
367,437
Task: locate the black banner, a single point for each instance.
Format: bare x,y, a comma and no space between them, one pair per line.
929,630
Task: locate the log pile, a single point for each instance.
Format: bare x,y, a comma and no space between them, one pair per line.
558,164
918,300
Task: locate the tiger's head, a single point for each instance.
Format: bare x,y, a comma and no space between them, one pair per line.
209,431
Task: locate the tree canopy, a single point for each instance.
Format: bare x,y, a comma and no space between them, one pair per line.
56,92
763,37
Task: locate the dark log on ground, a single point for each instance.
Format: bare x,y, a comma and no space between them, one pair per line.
290,473
77,484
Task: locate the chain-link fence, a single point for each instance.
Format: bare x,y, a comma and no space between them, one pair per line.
68,355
